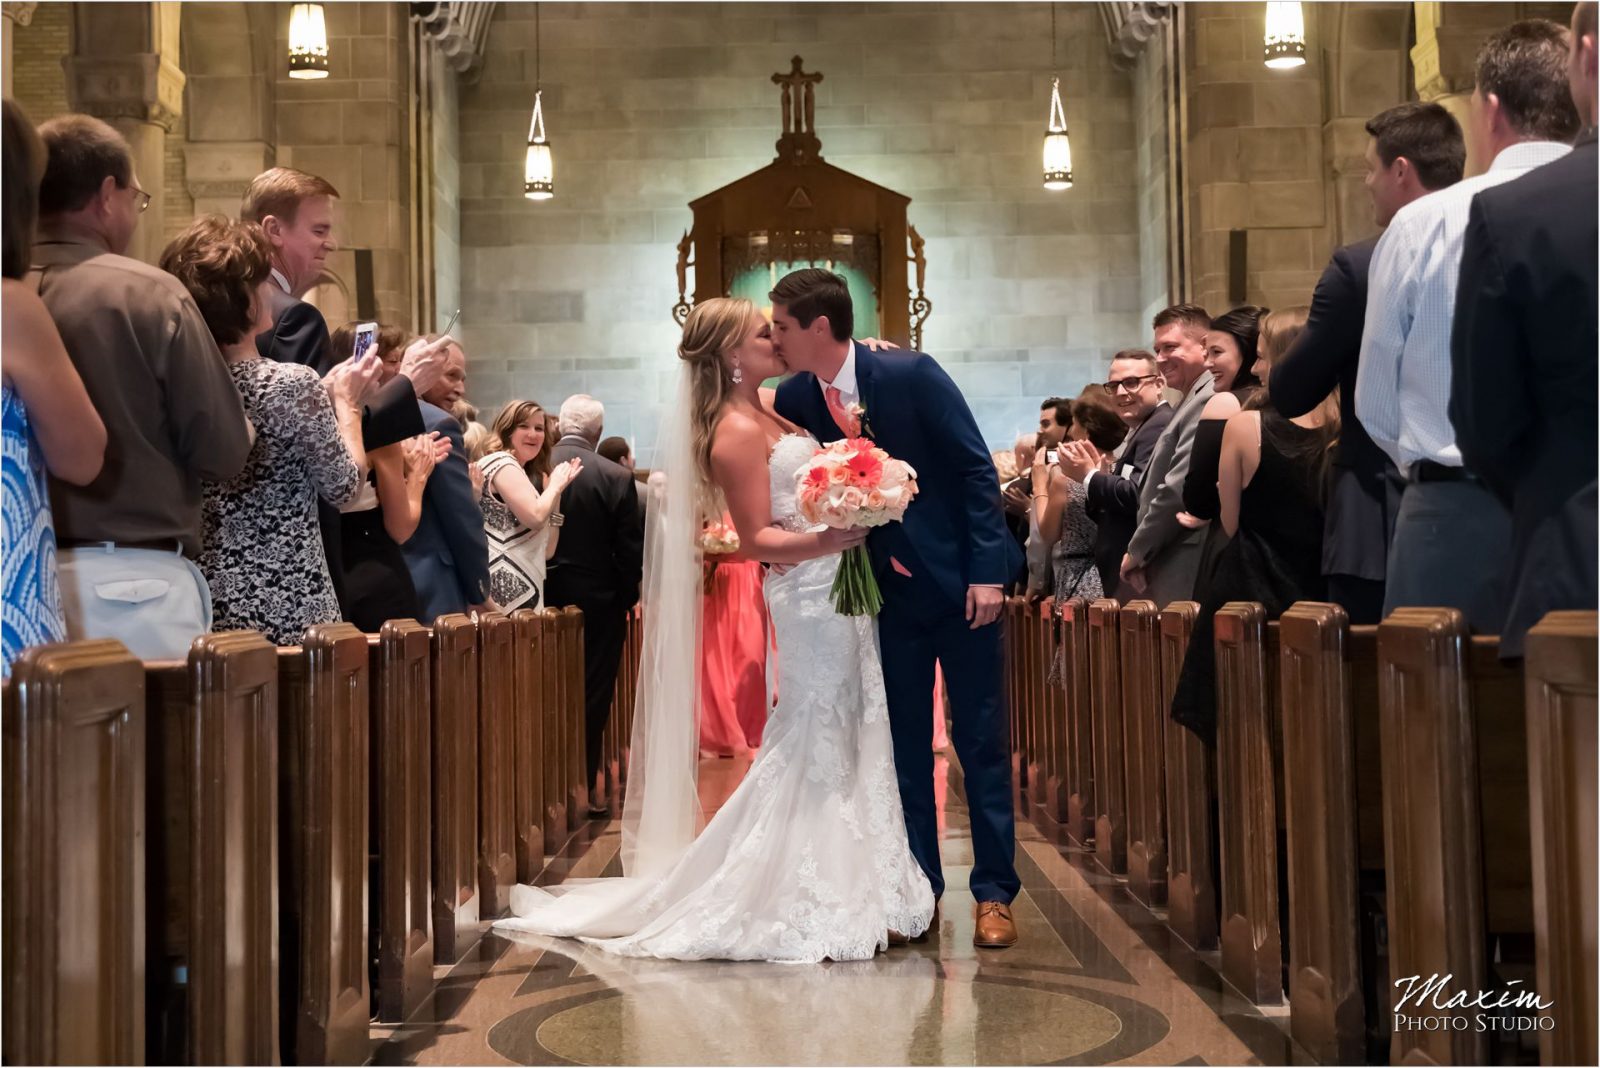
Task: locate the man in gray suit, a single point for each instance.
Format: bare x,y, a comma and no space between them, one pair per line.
1164,556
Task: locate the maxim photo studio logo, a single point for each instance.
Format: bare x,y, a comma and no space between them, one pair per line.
1431,1005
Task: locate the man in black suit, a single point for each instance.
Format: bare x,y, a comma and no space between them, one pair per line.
1522,354
448,555
295,212
598,562
1135,383
1414,150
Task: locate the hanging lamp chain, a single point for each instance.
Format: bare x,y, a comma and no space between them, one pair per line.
538,52
1052,37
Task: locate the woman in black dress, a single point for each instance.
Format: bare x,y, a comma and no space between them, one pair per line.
1271,478
386,510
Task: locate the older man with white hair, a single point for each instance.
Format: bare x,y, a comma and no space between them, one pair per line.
598,562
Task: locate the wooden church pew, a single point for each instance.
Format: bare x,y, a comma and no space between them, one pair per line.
1011,650
1247,803
1058,741
455,785
1191,798
557,734
1144,726
73,869
527,731
1110,786
1328,681
1078,777
1045,707
323,696
211,853
1560,677
402,743
1037,681
1456,813
572,683
497,850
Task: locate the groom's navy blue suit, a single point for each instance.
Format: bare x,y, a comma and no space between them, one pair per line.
954,535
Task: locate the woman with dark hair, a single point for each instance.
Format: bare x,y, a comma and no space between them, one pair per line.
387,508
1271,486
262,555
1231,345
47,418
521,504
1059,502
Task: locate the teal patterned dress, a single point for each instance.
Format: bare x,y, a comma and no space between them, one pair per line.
28,557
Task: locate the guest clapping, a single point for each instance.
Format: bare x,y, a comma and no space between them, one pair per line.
263,558
521,504
1059,502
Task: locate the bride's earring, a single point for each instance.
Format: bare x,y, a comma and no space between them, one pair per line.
738,375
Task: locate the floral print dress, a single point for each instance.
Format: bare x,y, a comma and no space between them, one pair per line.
262,554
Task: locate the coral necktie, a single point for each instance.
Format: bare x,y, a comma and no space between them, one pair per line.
846,422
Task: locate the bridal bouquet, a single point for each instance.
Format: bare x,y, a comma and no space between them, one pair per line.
849,484
717,538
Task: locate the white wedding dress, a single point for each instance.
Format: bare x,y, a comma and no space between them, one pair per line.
808,860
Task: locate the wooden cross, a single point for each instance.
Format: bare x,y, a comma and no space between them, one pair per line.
798,108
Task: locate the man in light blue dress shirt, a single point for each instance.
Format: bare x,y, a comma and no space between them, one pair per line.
1452,536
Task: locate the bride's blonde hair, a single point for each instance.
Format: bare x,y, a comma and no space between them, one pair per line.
714,327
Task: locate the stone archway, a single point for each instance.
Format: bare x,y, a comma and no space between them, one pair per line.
229,111
1368,69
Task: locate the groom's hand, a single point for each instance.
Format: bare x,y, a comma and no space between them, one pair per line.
983,605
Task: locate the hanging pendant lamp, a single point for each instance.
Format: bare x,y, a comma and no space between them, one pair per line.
308,42
1284,43
1057,146
538,167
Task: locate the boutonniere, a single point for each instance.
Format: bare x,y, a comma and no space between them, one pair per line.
858,412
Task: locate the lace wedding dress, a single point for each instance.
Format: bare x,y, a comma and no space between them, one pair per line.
808,860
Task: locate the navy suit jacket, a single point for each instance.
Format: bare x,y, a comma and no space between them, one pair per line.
449,553
1522,353
954,534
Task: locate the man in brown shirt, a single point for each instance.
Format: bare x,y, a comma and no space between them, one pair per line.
172,414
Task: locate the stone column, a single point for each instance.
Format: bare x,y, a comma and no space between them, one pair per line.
1365,51
1448,38
124,69
12,12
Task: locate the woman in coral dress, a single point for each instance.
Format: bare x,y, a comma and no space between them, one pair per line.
733,667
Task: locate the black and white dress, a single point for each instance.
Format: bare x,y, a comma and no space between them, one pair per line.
516,552
262,554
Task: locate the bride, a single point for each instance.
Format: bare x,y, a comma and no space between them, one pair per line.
808,860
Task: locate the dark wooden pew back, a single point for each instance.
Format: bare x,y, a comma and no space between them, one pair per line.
455,786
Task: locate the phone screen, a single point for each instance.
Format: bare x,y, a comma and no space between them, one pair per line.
366,338
1050,456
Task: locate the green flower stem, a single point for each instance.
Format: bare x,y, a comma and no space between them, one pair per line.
855,589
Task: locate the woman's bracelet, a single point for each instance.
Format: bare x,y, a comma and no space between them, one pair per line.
556,519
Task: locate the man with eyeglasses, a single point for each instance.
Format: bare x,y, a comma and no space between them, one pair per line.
1134,384
172,413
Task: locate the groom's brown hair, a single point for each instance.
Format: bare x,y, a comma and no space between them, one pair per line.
812,291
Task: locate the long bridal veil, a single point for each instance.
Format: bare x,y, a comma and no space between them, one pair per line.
661,813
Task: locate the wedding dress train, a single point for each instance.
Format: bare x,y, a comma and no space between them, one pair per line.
808,859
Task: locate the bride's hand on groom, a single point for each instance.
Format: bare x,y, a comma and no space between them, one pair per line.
878,345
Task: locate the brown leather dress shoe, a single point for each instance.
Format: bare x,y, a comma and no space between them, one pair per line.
994,929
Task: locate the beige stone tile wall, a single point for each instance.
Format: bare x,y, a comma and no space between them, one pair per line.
37,49
652,105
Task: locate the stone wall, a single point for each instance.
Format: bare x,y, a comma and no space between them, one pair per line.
1254,155
445,168
650,106
1155,120
39,83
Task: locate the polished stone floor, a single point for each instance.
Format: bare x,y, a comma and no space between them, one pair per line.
1095,979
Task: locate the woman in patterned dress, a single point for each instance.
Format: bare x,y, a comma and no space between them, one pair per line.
1061,512
521,504
262,554
48,420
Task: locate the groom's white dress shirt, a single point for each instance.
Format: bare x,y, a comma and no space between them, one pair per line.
844,381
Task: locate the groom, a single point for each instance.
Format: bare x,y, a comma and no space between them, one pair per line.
941,570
